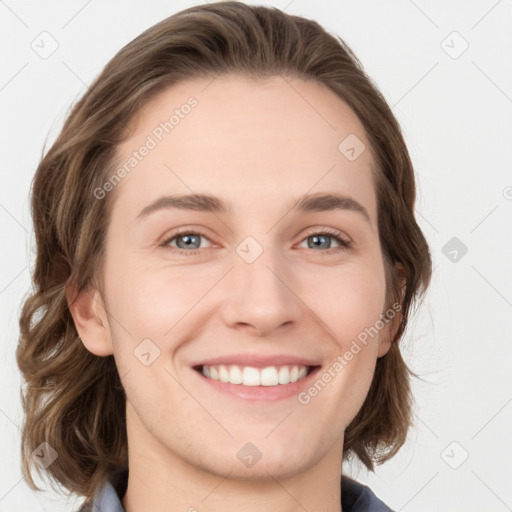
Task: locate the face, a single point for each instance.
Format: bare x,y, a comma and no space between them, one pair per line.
246,283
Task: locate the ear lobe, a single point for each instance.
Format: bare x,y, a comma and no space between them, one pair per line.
384,346
391,328
89,315
389,332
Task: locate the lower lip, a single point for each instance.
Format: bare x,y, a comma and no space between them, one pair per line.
263,393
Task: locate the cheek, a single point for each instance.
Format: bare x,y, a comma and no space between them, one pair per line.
151,316
155,302
349,299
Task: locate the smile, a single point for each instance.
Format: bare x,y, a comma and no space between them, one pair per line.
251,376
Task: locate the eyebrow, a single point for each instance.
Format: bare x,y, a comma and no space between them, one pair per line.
319,202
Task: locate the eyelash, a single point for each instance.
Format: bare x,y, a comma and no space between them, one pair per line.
344,244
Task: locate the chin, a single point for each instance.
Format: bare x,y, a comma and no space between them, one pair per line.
263,459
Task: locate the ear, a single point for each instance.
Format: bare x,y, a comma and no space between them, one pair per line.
388,333
89,314
393,313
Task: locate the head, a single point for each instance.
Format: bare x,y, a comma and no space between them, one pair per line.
262,104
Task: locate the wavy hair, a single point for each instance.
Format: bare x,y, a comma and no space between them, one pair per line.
74,400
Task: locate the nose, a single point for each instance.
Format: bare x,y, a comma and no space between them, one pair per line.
260,296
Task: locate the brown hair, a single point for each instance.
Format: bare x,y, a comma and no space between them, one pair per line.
74,400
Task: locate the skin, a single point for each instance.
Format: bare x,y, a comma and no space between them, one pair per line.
258,145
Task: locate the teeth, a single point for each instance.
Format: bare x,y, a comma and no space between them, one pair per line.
269,376
235,375
223,374
250,376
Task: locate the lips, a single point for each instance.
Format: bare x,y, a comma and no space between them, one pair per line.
253,392
256,361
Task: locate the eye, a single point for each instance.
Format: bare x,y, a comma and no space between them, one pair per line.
321,240
187,242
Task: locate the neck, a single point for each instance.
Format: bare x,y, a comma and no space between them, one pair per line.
195,491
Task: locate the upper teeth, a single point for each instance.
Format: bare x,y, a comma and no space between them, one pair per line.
250,376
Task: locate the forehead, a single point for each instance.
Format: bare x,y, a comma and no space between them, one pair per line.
247,140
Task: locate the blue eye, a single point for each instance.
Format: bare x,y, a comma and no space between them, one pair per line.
189,242
322,240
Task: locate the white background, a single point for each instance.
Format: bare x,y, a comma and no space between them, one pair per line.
456,116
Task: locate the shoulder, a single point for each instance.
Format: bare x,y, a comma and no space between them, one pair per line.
356,497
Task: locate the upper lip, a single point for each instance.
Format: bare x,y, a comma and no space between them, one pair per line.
257,360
